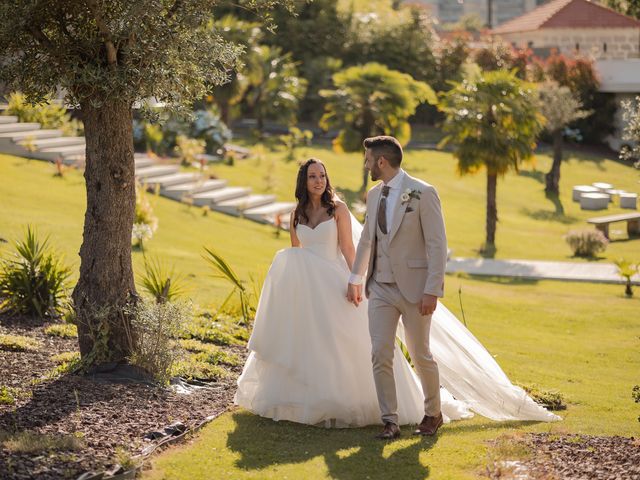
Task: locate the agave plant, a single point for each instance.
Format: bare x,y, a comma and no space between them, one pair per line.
33,282
626,270
225,271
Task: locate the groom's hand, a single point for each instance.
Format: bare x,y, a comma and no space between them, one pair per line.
354,294
428,304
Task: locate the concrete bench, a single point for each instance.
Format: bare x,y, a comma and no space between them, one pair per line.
580,190
594,201
629,200
632,219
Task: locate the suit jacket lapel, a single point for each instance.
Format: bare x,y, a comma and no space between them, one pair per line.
400,209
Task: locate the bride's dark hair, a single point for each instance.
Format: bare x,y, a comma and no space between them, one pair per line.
302,194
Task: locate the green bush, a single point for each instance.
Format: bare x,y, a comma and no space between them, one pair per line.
49,115
153,345
586,243
33,282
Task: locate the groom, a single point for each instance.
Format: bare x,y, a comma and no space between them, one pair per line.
403,249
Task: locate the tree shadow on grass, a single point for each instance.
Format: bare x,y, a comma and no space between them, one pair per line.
557,215
536,175
348,453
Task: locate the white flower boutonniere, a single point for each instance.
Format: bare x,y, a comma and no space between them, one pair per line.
408,194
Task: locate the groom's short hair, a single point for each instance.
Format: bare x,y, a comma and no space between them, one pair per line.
385,146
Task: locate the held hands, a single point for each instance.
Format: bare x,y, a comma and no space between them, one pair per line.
354,294
428,304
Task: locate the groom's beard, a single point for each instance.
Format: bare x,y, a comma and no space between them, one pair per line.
375,173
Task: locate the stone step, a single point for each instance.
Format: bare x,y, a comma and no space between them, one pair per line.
65,150
35,134
268,213
219,195
178,191
143,161
18,127
173,179
8,119
238,205
146,173
77,160
57,142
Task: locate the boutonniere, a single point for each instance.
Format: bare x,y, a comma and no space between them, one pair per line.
408,194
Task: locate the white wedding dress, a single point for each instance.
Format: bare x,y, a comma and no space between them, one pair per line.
310,351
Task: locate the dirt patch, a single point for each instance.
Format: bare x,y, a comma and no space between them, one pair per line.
108,420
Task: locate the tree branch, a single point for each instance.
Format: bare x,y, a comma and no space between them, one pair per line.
112,53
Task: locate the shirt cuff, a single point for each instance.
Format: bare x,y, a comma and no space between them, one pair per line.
355,279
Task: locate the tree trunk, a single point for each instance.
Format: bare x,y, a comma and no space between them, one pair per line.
106,284
552,178
492,210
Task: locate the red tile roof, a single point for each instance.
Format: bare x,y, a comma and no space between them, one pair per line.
567,14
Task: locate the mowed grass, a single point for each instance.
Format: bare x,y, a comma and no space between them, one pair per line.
580,339
29,194
530,226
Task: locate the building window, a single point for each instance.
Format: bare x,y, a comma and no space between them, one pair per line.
604,47
577,46
529,44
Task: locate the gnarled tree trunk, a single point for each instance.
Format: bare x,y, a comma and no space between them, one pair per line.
492,210
106,284
552,178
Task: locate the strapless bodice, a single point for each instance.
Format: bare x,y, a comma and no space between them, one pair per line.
322,240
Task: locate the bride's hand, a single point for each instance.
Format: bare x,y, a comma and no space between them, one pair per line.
354,294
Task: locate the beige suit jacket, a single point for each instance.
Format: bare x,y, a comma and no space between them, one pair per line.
418,242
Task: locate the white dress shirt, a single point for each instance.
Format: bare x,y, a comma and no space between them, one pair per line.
395,185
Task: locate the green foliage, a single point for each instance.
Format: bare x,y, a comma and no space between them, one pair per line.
219,330
49,115
635,393
66,358
559,106
160,281
586,243
631,133
9,395
33,281
63,330
295,139
550,399
274,87
154,327
18,343
191,368
188,149
224,270
630,8
145,223
627,269
30,442
153,137
371,100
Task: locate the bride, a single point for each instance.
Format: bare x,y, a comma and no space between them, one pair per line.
310,351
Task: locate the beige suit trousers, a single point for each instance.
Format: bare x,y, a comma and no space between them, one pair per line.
386,305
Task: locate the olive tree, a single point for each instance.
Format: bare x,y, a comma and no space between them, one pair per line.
105,55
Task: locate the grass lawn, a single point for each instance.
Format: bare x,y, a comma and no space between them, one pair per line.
530,225
579,339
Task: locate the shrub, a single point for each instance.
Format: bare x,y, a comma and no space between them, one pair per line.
587,243
160,281
49,115
33,442
9,395
64,330
626,270
145,223
33,283
188,149
550,399
153,345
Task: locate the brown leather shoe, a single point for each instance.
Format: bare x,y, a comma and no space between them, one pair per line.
429,425
389,432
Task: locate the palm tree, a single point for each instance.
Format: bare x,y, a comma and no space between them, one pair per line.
372,100
274,87
560,107
492,121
